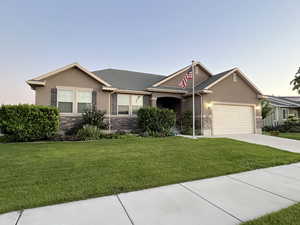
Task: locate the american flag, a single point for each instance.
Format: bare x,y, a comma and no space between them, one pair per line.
187,76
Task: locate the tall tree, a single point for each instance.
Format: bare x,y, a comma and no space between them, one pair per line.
296,82
266,108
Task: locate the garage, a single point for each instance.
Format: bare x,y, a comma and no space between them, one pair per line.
232,119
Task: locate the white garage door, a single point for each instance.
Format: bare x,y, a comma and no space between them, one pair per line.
232,119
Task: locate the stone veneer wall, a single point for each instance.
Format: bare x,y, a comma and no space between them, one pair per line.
117,123
69,122
124,123
259,125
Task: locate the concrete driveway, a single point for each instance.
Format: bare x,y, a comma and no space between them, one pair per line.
275,142
224,200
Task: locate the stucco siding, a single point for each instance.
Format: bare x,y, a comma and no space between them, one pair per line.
230,91
199,77
71,78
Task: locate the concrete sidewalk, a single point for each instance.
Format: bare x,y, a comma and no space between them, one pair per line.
222,200
275,142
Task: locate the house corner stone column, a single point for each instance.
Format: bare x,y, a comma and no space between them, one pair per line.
153,101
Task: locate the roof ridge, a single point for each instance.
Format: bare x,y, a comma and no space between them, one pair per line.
129,71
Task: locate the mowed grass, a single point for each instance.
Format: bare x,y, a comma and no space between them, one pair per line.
288,216
37,174
295,136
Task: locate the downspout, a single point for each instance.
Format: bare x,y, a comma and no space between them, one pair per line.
109,112
201,113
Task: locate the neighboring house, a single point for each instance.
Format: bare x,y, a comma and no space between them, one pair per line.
282,108
225,103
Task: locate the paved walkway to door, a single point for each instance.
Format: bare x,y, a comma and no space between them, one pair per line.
275,142
222,200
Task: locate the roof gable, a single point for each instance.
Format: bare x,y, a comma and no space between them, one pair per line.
73,65
212,81
179,72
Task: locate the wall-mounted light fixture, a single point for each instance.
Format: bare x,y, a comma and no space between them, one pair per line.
209,105
258,107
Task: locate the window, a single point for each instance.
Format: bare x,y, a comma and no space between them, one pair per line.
74,100
137,103
284,114
84,101
123,104
129,104
65,99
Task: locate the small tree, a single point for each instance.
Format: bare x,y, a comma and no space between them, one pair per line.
266,108
296,82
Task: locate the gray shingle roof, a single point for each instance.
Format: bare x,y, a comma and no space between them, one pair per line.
128,80
282,102
211,80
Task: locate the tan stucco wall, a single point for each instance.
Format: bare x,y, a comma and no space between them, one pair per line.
71,78
228,91
199,77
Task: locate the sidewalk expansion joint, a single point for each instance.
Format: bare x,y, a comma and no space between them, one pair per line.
262,189
131,221
211,203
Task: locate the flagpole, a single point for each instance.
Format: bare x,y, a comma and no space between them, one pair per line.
193,73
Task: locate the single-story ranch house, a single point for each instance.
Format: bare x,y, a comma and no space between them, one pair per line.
282,108
225,103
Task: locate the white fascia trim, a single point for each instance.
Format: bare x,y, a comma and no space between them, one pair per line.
34,82
108,88
71,66
205,91
167,91
241,74
123,91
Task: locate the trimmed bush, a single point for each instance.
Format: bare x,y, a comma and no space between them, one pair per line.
95,118
28,122
186,123
156,122
89,132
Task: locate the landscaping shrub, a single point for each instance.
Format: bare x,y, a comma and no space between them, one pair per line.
186,123
156,122
292,125
89,132
95,118
28,122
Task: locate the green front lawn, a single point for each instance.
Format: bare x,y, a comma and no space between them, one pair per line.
288,216
295,136
37,174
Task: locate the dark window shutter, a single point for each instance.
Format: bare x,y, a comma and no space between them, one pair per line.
94,100
146,100
54,97
114,104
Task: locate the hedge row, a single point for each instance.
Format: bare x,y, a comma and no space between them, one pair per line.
28,122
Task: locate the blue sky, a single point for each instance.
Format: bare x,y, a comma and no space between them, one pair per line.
260,37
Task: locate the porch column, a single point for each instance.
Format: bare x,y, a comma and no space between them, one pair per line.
153,101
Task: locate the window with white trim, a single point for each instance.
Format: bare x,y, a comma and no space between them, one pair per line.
123,104
65,100
136,103
129,104
84,101
74,100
